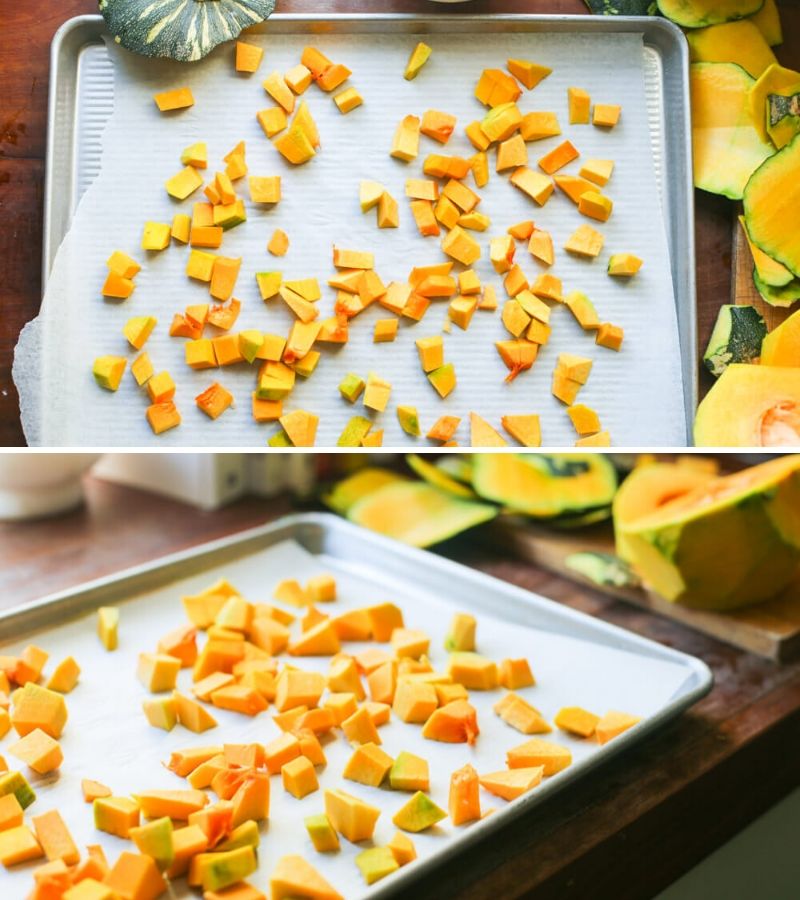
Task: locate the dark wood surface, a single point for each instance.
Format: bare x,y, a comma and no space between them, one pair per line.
626,831
24,46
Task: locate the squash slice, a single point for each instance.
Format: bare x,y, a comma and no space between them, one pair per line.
699,13
418,514
726,147
770,206
769,270
734,42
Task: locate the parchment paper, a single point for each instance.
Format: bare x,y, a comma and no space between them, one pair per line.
108,739
637,393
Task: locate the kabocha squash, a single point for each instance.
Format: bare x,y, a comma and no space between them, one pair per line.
751,406
418,514
726,147
545,485
782,346
732,541
650,487
185,30
439,479
699,13
771,200
768,21
736,338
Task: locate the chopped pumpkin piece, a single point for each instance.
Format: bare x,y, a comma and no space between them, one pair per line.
108,371
579,103
525,429
248,57
418,814
179,98
601,439
613,724
405,144
610,336
595,205
214,400
348,100
537,186
597,170
40,751
482,434
606,115
443,379
527,72
576,721
585,241
18,845
437,125
519,714
464,799
419,56
535,126
495,87
351,817
558,157
512,783
272,120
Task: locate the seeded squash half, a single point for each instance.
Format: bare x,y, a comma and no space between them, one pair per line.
699,13
185,30
726,147
771,203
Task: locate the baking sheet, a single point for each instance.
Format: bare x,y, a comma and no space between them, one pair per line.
80,325
576,660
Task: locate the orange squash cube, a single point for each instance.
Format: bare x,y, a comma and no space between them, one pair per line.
464,800
299,777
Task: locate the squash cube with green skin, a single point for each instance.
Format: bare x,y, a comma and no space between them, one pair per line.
269,283
322,833
443,379
108,371
250,342
419,813
409,420
17,784
244,835
376,863
409,773
280,439
155,840
461,636
583,309
215,871
230,215
354,432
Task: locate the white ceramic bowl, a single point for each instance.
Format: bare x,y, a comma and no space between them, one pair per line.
33,485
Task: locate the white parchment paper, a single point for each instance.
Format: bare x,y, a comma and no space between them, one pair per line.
637,393
108,739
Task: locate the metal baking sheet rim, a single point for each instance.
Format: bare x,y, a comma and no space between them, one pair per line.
316,530
659,34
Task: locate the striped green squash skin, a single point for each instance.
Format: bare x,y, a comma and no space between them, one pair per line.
185,30
700,13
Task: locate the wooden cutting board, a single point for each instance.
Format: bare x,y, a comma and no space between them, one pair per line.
769,629
743,290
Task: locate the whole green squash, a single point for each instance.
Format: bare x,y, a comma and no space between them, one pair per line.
185,30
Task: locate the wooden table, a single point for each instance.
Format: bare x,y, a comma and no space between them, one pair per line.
24,46
627,831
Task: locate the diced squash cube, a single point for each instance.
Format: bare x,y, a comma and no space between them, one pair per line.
519,714
248,57
584,419
275,85
601,439
322,833
405,144
180,186
606,115
461,246
535,126
299,777
512,783
537,186
376,863
294,145
11,813
418,813
108,371
179,98
294,877
464,799
376,394
558,157
368,765
117,287
625,264
161,387
527,72
138,329
579,103
475,672
214,400
272,120
278,243
495,87
443,379
610,336
595,205
348,100
18,845
597,170
351,817
613,724
156,235
116,815
40,751
161,713
54,838
576,721
419,56
538,752
402,848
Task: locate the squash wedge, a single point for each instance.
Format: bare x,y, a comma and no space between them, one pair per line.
418,514
726,147
769,270
770,206
735,42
